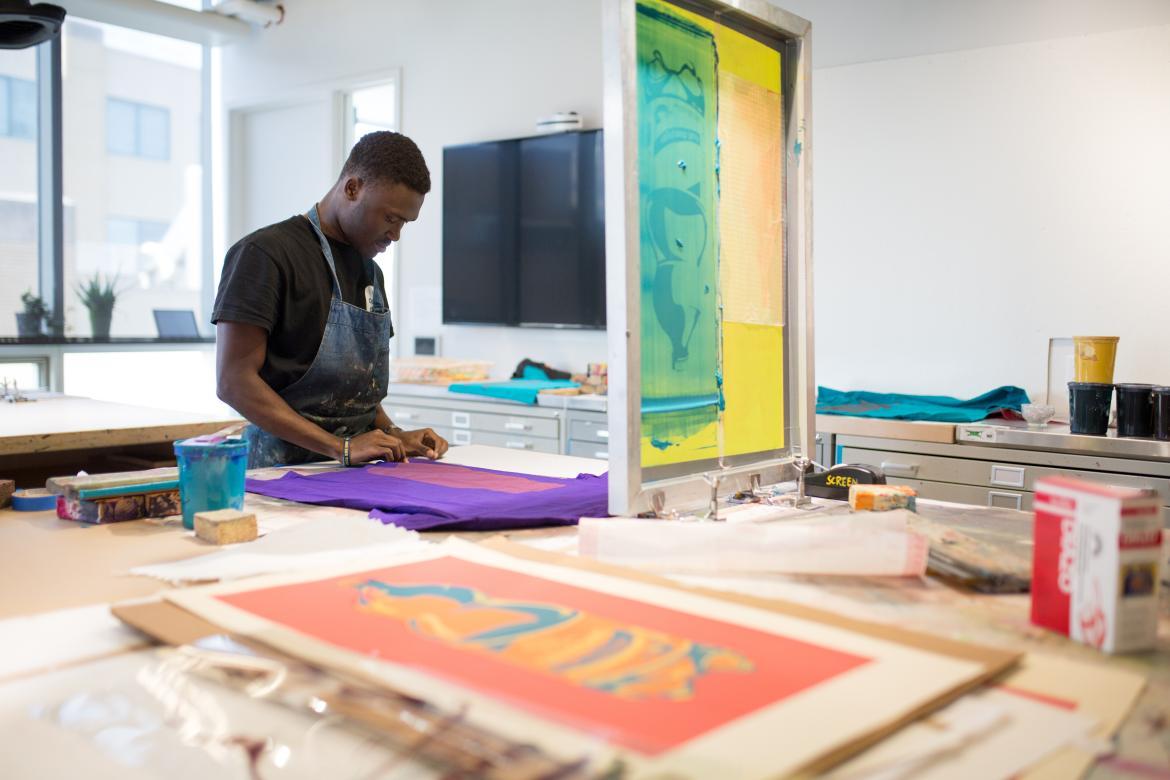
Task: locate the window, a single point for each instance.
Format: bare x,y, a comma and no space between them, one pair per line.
18,108
137,204
137,130
371,108
19,269
24,374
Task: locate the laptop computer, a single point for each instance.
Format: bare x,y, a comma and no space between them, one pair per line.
176,324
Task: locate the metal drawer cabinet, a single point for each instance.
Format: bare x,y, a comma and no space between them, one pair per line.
460,436
589,430
588,449
587,435
409,416
970,494
899,466
511,425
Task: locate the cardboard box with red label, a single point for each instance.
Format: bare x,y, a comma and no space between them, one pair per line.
1095,563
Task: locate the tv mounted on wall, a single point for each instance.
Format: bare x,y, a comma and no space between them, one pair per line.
524,232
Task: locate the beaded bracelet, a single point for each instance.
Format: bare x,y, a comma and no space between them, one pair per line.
345,451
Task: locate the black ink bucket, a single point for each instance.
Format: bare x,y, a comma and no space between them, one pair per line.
1135,411
1088,407
1162,413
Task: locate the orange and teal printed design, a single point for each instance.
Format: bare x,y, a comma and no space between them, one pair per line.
711,228
630,662
644,677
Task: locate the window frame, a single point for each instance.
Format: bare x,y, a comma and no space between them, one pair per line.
347,118
48,137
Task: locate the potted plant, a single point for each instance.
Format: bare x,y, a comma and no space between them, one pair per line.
30,321
98,296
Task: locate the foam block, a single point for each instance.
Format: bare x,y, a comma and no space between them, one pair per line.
881,498
225,526
7,488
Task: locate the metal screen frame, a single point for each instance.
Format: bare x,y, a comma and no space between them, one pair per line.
685,486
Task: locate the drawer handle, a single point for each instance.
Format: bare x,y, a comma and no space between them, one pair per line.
900,469
516,426
461,437
518,445
603,433
1016,499
461,419
1007,476
601,455
400,415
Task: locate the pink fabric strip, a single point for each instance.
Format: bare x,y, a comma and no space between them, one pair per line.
461,477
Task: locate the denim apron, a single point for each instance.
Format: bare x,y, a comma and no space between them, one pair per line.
348,378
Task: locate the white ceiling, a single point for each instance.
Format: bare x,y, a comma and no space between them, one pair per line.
852,31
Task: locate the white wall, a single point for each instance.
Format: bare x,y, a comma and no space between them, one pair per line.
471,71
970,205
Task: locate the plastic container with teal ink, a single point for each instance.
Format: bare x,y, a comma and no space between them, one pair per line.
211,474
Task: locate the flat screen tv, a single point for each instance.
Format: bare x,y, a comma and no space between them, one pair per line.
524,232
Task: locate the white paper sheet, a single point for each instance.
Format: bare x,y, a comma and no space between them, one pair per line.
848,545
325,540
55,639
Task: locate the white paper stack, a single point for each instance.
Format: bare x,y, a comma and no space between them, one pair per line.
322,541
852,545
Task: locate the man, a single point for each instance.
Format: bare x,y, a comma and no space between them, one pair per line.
302,324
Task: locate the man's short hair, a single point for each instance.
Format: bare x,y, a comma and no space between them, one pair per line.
390,158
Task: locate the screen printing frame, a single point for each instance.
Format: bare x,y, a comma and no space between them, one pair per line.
685,486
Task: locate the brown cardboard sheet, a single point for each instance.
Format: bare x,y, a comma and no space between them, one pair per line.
171,623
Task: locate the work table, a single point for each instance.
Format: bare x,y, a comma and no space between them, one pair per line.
59,434
51,423
993,462
587,403
48,565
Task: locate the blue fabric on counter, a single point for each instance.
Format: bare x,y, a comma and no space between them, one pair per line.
936,408
522,390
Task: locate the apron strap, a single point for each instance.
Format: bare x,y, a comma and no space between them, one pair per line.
315,221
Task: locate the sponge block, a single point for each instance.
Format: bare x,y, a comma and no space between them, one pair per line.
225,526
880,498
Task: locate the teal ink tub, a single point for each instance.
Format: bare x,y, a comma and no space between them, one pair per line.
211,474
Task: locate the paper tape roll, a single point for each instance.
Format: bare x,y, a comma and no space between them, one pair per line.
35,500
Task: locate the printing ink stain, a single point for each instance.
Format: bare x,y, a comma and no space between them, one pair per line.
678,111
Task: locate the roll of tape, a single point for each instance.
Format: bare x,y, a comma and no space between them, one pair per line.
35,500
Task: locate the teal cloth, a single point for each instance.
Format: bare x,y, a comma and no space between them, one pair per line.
522,390
937,408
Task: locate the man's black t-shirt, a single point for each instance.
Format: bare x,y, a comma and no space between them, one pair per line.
277,278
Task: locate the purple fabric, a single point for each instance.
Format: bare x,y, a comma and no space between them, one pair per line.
419,504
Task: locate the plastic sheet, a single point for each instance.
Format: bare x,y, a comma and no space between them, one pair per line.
220,710
850,545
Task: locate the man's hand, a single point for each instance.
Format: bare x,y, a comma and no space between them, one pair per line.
376,445
424,442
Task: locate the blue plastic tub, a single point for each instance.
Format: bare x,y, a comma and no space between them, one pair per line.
211,474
